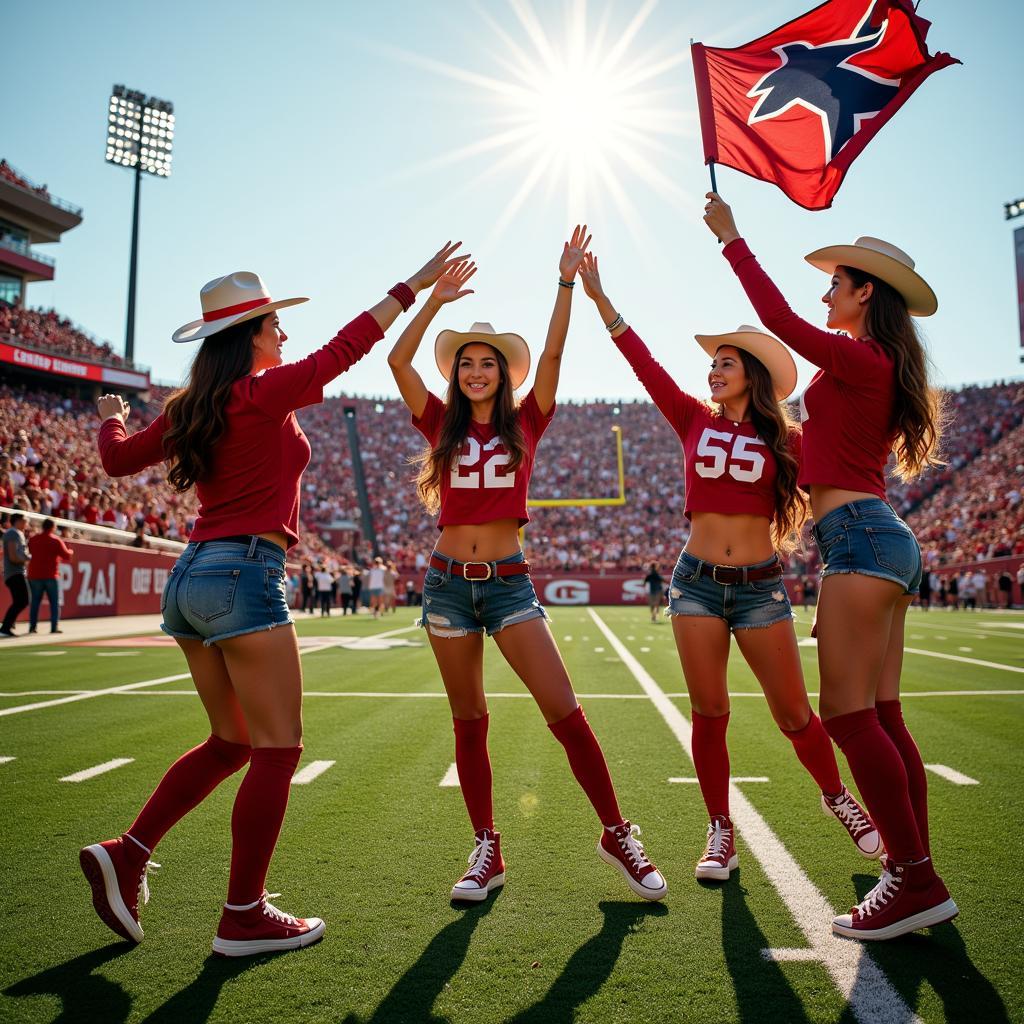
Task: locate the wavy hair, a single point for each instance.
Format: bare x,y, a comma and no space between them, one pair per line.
441,458
195,414
775,426
918,412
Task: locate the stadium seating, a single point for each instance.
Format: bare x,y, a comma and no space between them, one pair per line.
47,330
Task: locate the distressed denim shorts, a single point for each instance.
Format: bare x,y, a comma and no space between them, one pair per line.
454,606
868,538
220,589
753,605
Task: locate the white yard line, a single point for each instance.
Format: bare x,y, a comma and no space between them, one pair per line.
99,769
451,777
966,661
733,778
6,760
313,770
872,998
952,775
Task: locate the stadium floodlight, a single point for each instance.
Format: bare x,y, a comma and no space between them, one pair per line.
140,135
1014,209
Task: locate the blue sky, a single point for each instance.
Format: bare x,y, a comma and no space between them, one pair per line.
332,146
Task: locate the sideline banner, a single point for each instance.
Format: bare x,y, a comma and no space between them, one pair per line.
69,366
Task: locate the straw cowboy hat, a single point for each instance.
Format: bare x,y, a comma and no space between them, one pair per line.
762,346
231,300
884,261
511,346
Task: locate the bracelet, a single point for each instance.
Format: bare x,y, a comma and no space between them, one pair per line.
566,284
403,295
616,323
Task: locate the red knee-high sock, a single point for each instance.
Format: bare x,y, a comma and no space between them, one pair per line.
256,820
878,770
588,765
189,781
474,768
814,749
890,714
711,759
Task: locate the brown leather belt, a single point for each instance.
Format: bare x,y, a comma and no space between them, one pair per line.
485,569
733,575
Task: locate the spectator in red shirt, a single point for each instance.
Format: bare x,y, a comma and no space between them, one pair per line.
47,551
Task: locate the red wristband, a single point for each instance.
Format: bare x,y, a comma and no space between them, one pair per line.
403,294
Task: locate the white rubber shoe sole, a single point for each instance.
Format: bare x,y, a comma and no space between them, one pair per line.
873,854
641,890
460,895
713,872
99,871
250,947
946,911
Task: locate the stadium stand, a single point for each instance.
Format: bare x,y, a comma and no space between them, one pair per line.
47,331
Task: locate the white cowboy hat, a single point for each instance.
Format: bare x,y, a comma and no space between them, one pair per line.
230,300
511,346
762,346
884,261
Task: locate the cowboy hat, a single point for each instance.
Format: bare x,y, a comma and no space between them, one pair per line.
511,346
884,261
230,300
762,346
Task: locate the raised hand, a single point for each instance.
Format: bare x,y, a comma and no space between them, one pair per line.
112,405
432,270
718,217
590,277
449,286
573,252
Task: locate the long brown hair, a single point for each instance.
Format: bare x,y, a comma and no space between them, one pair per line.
195,414
440,459
918,413
775,426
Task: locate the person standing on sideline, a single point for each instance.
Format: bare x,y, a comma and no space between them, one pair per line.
375,586
870,399
46,550
655,584
231,432
308,588
324,585
16,559
925,593
345,589
476,471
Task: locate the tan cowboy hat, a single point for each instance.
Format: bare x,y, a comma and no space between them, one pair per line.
230,300
511,346
884,261
762,346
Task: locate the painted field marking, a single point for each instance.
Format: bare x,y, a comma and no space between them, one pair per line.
966,661
118,654
965,650
99,769
599,650
451,777
6,760
732,778
872,998
40,693
952,775
47,654
312,770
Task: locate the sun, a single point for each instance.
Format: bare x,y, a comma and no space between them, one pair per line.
585,107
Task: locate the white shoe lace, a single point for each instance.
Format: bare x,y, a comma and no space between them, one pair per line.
887,887
143,882
278,915
480,858
632,847
718,841
849,813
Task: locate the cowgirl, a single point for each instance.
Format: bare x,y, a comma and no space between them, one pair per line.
871,398
740,462
476,471
231,432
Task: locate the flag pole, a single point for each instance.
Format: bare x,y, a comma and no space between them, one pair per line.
711,168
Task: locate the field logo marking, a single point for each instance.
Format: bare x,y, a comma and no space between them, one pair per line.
952,775
99,769
872,998
313,770
451,777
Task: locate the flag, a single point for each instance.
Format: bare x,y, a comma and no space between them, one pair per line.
797,106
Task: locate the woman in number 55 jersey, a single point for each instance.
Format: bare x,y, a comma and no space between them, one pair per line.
477,471
740,456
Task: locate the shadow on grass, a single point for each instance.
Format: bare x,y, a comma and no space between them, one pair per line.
940,958
591,965
85,997
412,997
762,991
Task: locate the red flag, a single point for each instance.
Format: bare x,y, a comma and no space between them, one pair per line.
797,106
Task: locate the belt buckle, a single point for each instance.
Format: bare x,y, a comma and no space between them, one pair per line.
714,574
477,579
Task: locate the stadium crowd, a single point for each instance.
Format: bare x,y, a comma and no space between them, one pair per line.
8,173
47,330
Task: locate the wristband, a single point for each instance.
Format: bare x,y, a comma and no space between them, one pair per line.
616,323
403,295
566,284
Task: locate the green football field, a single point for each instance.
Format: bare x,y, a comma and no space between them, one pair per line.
373,842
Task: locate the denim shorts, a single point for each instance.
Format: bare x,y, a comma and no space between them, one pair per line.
753,605
454,606
868,538
220,589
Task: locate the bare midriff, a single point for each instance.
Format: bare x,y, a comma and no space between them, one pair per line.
730,539
275,538
480,542
825,498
